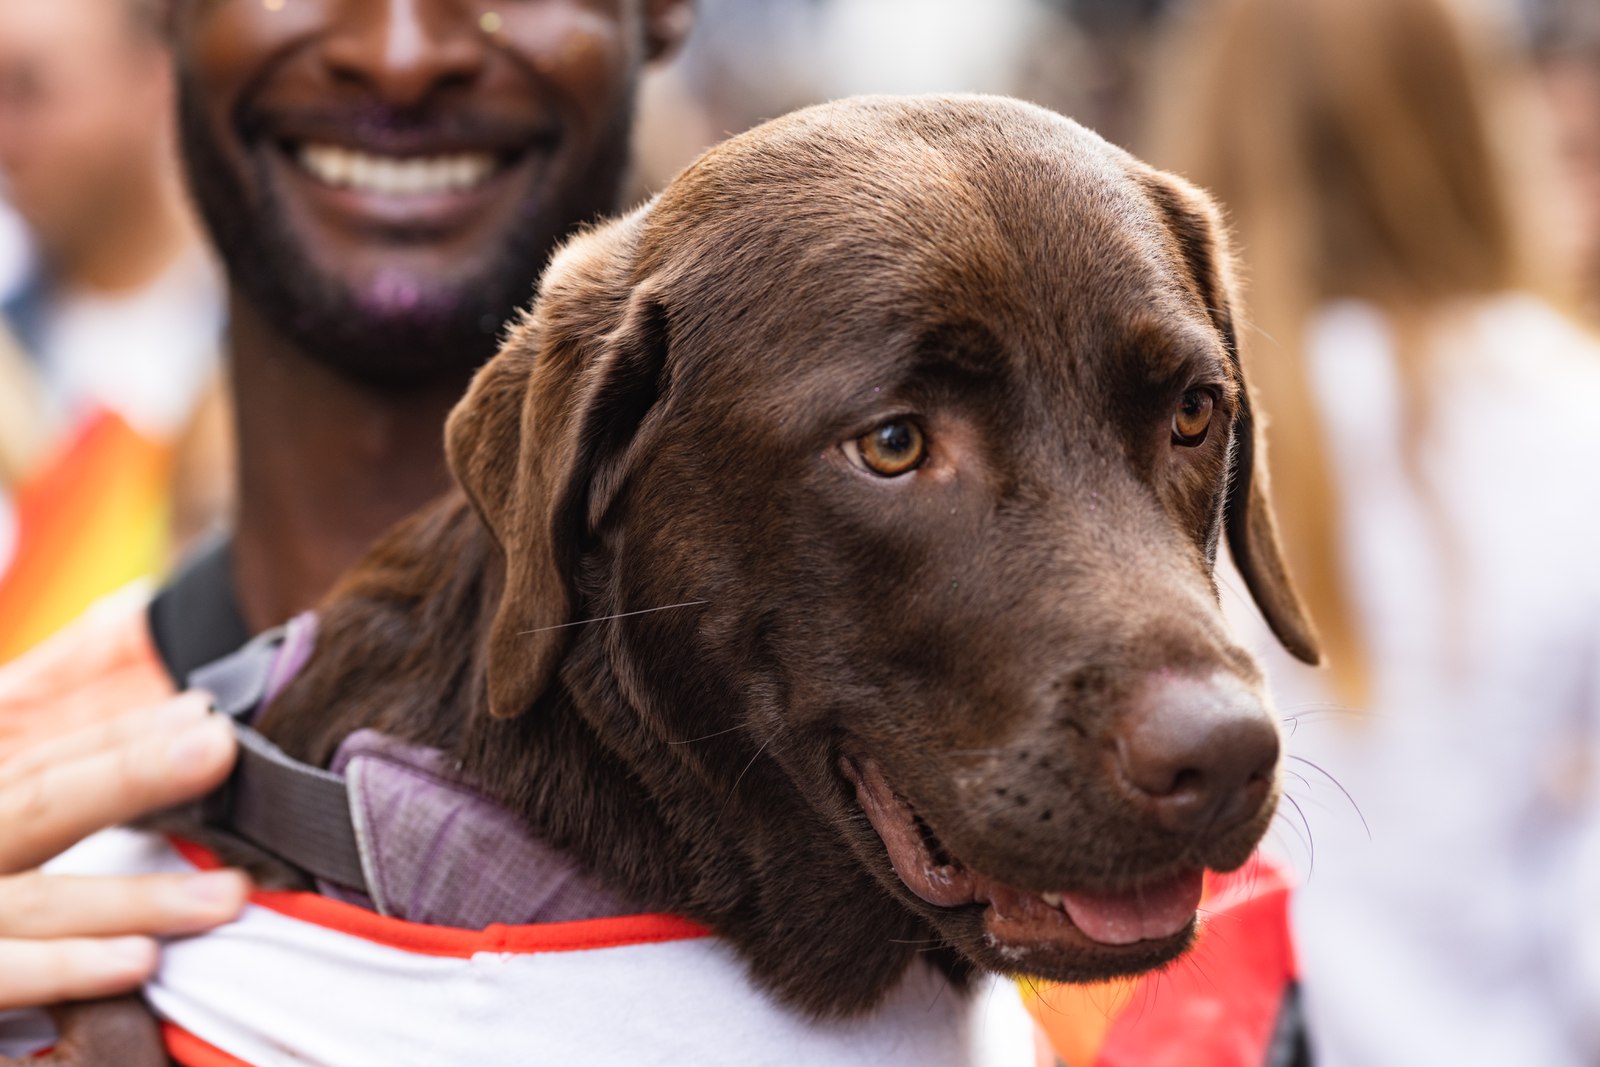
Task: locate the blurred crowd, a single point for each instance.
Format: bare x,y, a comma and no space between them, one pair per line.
113,315
1414,190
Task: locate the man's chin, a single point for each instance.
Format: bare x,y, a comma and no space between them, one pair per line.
386,313
399,331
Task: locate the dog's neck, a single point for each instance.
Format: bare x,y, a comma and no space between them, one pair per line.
709,831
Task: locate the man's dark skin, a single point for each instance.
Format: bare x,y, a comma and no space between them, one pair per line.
357,317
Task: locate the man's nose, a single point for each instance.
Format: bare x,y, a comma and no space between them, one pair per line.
406,50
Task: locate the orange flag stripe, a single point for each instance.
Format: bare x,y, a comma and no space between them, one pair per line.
89,522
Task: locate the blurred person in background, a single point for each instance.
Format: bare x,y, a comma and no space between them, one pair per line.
1093,61
16,251
1566,35
21,415
756,59
1433,434
20,434
120,320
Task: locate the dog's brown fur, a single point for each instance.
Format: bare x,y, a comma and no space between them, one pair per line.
664,428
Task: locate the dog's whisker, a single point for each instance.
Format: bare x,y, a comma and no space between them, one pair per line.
719,733
1309,839
1286,821
1319,705
1193,962
1336,784
938,995
1227,583
1254,328
608,618
1317,711
735,787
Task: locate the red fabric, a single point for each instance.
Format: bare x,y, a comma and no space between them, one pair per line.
190,1051
1219,1005
462,944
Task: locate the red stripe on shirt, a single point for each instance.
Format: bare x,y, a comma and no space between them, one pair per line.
190,1051
449,941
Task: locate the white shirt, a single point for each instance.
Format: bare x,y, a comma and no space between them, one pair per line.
303,980
146,355
1451,913
16,250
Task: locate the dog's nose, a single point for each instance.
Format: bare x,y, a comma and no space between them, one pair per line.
1198,754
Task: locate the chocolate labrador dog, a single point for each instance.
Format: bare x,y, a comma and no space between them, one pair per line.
835,559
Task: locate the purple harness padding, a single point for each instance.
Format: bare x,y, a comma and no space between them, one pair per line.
434,850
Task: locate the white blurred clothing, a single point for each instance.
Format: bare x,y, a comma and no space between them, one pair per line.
147,355
16,251
1456,918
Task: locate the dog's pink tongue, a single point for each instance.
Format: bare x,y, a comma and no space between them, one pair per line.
1148,913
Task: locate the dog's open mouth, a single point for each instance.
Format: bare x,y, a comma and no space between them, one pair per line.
1159,911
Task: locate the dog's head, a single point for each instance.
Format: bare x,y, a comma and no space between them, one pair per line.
895,442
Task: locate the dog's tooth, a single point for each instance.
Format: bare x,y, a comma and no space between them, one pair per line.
1052,899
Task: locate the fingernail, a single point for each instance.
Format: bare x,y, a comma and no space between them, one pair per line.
215,887
200,745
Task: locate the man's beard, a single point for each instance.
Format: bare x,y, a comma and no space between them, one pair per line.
391,333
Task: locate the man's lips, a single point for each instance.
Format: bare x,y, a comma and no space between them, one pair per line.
1156,911
383,131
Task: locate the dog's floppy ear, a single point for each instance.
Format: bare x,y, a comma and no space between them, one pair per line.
538,432
1251,529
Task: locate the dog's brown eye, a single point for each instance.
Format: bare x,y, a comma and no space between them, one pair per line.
892,449
1193,417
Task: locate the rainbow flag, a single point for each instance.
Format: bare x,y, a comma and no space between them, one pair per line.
92,519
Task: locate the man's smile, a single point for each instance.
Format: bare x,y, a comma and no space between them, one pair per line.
379,167
343,168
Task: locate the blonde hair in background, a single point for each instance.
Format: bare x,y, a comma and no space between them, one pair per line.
22,420
1363,149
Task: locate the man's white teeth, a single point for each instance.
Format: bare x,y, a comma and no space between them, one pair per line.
389,176
1052,899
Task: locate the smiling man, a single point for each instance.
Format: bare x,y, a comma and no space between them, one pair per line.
384,180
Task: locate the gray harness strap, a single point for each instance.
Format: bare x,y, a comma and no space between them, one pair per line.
388,827
297,813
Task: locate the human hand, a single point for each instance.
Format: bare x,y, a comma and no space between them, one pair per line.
69,937
91,673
